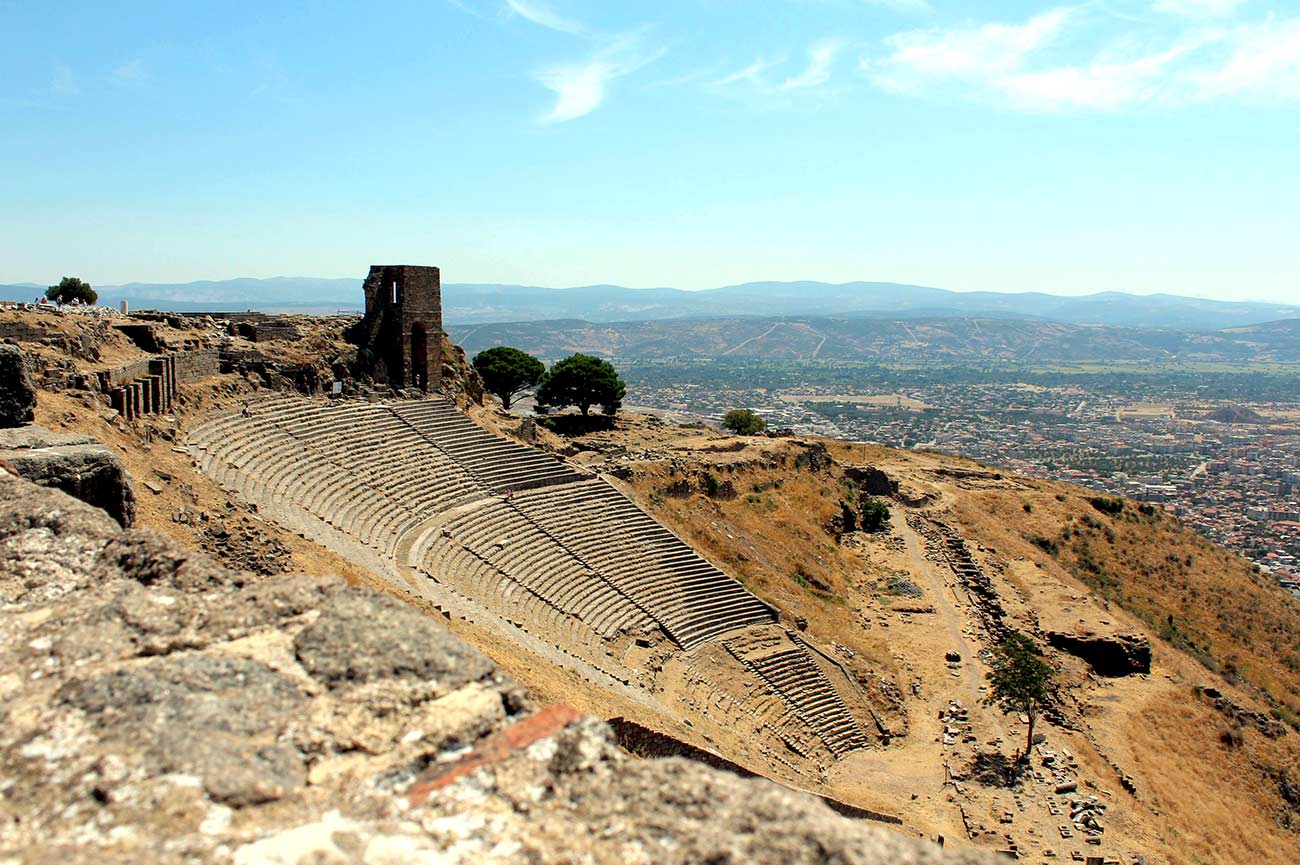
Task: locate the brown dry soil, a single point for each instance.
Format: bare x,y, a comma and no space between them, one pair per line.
1211,786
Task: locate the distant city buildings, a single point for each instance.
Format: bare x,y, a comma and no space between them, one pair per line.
1238,484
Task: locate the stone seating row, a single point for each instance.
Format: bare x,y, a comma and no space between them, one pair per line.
266,463
692,599
476,579
496,534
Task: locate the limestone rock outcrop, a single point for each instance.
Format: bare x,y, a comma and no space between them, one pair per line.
80,465
871,480
17,395
1106,654
158,707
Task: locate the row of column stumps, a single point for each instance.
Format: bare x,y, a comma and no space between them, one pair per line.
149,394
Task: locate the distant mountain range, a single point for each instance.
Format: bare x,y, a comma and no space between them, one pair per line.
478,303
941,340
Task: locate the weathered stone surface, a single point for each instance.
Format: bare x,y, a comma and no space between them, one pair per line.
49,542
217,718
1108,655
17,396
348,643
81,466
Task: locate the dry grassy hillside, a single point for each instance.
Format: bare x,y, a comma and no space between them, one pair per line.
1216,780
1195,595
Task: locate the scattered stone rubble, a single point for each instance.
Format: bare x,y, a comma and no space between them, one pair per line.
956,724
160,708
239,543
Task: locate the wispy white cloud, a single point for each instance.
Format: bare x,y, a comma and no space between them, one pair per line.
978,52
1016,64
1261,61
760,75
1198,8
581,88
1106,82
543,16
64,81
755,73
818,71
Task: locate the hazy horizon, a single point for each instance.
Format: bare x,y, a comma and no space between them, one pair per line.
470,282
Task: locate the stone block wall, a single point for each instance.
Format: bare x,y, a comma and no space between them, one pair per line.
195,365
112,378
269,330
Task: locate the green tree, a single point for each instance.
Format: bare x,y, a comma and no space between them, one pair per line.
508,372
874,514
584,381
743,421
1019,681
71,288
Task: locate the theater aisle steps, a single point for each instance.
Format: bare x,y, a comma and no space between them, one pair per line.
497,463
791,672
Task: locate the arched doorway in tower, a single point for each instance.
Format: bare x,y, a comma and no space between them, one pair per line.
420,356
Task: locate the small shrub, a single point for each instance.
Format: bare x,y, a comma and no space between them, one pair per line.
1047,545
874,515
1107,505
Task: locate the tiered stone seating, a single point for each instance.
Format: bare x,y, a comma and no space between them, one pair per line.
353,465
515,547
691,599
497,463
563,556
794,675
470,575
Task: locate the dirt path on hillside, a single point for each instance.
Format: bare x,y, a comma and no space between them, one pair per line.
911,776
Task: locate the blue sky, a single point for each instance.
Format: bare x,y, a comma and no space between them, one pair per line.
1138,146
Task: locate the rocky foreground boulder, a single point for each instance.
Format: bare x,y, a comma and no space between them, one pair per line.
155,707
80,465
17,395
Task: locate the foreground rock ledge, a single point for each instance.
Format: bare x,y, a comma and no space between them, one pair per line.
160,708
80,465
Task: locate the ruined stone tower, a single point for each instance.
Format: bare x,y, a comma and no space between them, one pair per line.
400,339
